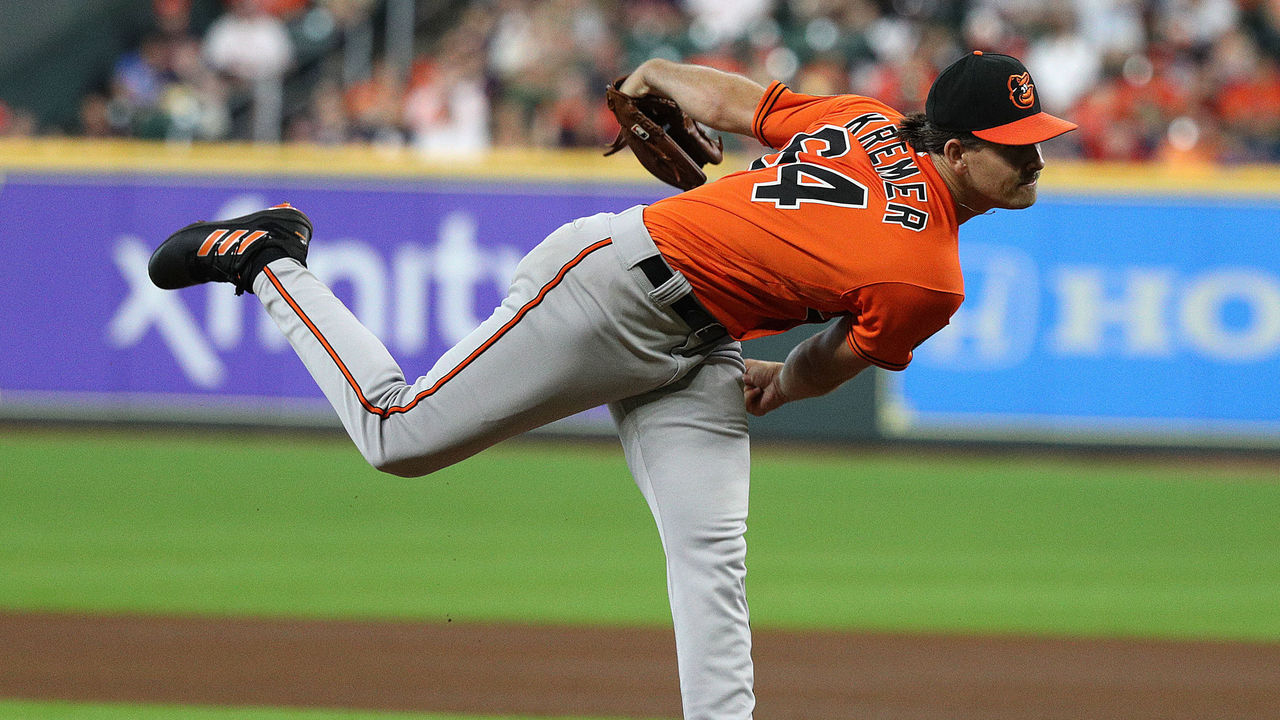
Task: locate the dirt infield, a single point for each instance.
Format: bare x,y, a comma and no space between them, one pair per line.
626,673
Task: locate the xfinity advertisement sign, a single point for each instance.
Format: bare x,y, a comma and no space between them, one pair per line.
87,335
1103,319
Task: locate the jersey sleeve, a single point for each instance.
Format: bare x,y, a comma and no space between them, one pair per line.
783,113
894,318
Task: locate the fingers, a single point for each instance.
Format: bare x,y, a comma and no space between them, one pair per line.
638,82
759,386
753,398
760,401
760,373
634,84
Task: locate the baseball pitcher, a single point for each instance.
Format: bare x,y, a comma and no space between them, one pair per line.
853,217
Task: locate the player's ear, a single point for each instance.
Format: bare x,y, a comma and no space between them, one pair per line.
953,152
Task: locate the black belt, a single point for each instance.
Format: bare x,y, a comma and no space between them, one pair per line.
706,329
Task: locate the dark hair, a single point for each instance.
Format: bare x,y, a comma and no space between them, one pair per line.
922,135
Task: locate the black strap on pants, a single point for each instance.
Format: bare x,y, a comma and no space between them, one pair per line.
707,331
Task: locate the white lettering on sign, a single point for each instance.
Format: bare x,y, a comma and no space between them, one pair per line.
1223,314
427,287
412,268
1136,312
1204,307
1158,313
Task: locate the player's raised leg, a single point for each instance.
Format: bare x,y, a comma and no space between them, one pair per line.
687,447
575,331
550,350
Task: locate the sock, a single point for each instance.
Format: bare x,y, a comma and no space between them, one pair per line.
261,259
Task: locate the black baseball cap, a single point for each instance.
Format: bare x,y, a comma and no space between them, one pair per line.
993,97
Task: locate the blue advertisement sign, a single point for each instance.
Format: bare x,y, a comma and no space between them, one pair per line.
1105,318
84,331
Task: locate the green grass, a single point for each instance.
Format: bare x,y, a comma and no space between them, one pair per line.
1055,546
299,526
31,710
216,523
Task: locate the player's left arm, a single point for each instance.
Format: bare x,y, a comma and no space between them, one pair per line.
717,99
815,367
891,320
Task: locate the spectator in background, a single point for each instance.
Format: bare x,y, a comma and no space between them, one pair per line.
196,100
143,73
1246,98
1195,24
374,105
16,122
1115,27
447,109
716,21
327,122
95,120
571,117
543,57
1064,62
252,49
447,105
163,89
652,28
138,81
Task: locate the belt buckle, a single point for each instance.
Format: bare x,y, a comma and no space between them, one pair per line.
702,339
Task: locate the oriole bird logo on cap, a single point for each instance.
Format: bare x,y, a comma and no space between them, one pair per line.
1022,91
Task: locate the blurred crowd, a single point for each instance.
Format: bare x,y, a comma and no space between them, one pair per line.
1185,80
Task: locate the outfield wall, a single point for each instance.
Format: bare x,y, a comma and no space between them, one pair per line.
1131,304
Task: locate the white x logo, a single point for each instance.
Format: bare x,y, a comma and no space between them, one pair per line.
148,306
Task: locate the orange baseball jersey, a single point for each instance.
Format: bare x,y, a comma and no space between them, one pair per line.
844,219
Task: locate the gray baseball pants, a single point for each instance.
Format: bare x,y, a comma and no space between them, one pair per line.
581,326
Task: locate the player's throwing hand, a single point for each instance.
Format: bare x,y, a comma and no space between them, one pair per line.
761,386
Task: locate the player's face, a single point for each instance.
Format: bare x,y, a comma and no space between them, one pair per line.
1005,176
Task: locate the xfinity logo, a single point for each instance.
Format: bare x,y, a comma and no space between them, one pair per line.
419,294
1014,308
